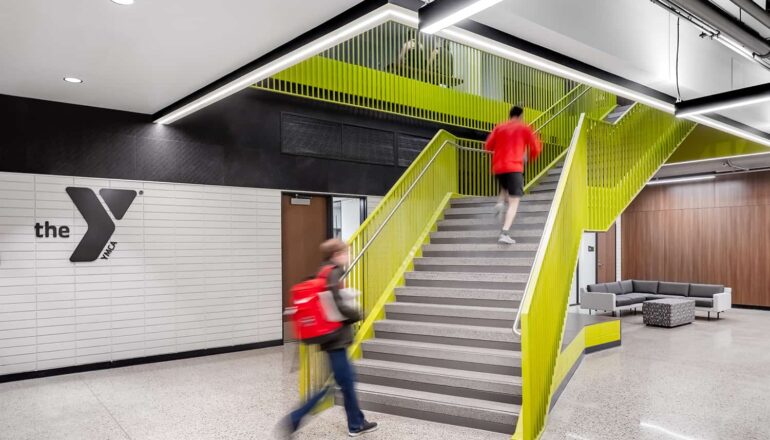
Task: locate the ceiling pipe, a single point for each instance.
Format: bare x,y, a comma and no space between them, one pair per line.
754,10
721,26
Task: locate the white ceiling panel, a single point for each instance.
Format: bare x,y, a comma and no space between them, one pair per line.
142,57
634,39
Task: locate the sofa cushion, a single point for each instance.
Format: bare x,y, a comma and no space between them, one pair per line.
704,302
629,299
597,288
614,288
627,286
679,289
645,286
653,296
705,290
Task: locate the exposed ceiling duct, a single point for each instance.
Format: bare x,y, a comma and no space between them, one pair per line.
754,10
721,26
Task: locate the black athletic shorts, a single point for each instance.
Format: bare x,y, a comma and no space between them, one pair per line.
512,182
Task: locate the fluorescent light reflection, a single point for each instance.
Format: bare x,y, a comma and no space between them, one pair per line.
663,430
681,180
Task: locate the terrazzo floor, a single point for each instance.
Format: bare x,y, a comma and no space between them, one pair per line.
708,380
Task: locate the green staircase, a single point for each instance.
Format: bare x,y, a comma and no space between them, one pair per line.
605,164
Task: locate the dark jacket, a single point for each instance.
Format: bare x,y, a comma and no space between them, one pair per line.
343,337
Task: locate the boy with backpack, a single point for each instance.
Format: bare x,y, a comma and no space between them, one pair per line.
511,143
335,344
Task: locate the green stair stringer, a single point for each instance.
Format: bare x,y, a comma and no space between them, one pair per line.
605,168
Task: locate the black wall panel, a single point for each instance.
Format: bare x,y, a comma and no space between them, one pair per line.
234,142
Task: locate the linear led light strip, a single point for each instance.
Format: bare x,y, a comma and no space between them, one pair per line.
369,21
468,11
492,46
725,106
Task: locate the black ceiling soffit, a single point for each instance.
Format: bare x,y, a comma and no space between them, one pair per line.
733,96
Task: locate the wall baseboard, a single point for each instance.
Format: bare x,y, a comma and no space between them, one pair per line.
740,306
138,361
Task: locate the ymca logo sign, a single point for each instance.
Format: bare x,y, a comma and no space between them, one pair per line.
100,225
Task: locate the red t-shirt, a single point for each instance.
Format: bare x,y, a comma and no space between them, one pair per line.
508,142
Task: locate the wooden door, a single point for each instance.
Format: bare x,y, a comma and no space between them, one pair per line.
304,226
605,256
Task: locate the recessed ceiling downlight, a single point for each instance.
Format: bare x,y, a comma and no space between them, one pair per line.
124,2
72,79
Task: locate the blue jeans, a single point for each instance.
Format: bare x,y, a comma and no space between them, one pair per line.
346,379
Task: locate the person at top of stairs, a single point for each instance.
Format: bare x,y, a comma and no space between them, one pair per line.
511,143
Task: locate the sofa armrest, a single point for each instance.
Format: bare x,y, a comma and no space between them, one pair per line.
597,300
723,301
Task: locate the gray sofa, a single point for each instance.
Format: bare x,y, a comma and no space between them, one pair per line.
630,294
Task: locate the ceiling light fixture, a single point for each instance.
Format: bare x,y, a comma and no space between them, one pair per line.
681,180
382,15
724,101
123,2
444,13
73,80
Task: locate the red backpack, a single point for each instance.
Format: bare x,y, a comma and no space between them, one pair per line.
310,321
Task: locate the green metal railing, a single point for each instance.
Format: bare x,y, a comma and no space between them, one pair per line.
607,165
384,246
395,69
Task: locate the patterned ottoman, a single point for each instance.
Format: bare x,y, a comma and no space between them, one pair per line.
669,312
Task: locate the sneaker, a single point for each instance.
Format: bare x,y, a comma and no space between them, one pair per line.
506,239
368,427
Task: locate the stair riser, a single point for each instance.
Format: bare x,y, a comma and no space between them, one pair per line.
469,389
508,323
481,240
480,254
544,188
454,284
511,370
458,301
519,215
481,343
436,416
471,268
490,226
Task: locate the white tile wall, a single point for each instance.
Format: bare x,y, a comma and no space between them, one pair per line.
195,267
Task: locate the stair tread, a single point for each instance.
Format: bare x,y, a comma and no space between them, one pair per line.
467,276
481,247
475,261
471,352
487,233
502,379
492,221
498,334
451,310
453,292
443,399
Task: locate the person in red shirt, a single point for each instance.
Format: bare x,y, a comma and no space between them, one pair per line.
511,144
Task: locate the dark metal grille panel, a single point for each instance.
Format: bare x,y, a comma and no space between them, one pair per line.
368,145
310,137
409,147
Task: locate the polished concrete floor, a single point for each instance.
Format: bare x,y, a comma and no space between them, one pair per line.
708,380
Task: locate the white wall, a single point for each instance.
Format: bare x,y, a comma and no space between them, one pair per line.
586,261
351,217
194,267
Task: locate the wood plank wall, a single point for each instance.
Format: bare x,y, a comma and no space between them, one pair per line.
706,232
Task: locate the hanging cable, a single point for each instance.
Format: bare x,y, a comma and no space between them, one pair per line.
678,91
